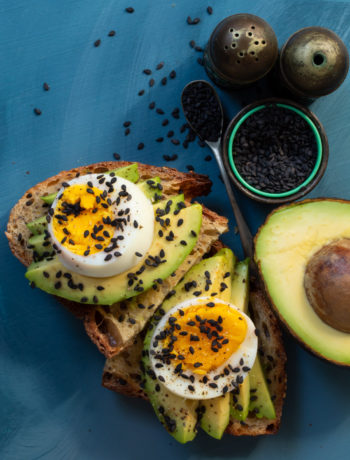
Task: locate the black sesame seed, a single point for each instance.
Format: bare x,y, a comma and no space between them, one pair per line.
140,146
37,111
111,33
97,43
165,122
129,10
213,385
151,82
192,43
172,74
147,71
210,10
141,92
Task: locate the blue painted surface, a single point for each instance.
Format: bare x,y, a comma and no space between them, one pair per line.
52,403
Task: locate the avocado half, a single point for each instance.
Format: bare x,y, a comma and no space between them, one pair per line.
284,245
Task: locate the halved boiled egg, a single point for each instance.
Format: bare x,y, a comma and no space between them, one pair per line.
203,348
101,225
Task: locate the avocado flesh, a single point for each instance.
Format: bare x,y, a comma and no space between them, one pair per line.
260,400
216,415
240,298
182,413
283,247
127,172
106,291
37,226
253,394
215,412
40,245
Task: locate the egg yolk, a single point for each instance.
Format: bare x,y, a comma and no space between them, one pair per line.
81,220
205,337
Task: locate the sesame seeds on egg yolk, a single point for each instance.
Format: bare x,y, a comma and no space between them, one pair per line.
79,221
205,337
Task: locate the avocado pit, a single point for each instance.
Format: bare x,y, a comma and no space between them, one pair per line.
327,284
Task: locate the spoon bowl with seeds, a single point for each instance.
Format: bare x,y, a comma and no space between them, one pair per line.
203,111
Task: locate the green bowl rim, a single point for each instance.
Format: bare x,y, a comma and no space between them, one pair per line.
303,184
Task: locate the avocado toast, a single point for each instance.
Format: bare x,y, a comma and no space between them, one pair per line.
117,314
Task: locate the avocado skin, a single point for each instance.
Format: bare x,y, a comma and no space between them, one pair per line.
178,415
313,206
116,288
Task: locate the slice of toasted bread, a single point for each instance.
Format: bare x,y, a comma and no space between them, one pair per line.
103,324
122,373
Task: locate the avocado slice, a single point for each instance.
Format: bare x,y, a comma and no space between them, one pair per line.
284,245
215,412
260,402
40,245
127,172
152,188
215,415
240,298
179,415
51,276
38,225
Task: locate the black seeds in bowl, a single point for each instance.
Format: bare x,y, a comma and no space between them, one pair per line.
275,150
202,110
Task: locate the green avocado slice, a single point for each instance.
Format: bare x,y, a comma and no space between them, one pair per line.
38,225
178,415
260,400
253,394
127,172
51,276
215,412
240,298
41,246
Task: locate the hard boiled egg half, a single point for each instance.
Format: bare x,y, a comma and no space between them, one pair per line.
101,225
203,348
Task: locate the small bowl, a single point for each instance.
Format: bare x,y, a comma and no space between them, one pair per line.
290,195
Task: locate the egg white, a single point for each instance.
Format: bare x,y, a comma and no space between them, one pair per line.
178,385
136,240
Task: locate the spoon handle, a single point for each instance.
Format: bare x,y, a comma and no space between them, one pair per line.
244,232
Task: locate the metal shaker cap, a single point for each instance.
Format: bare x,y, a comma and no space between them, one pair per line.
314,62
242,48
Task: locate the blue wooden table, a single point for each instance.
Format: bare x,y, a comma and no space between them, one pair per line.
52,403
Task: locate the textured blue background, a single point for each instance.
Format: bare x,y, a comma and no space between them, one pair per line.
52,404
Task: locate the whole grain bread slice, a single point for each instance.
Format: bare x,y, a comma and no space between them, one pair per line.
123,375
113,328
